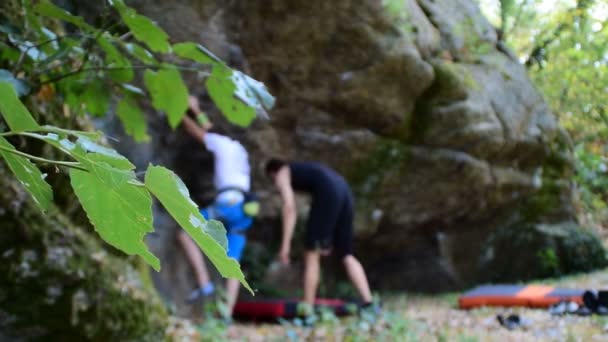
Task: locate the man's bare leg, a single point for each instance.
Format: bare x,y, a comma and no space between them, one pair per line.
356,273
195,257
311,275
232,293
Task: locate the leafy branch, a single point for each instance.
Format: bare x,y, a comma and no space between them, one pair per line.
88,74
74,165
538,53
107,68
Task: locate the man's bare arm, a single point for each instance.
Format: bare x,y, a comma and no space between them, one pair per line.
196,131
192,127
289,213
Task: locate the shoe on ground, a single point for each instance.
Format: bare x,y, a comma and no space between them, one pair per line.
584,311
572,307
602,298
602,310
558,309
201,292
590,300
372,308
511,322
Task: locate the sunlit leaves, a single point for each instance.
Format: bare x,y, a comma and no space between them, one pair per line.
85,150
14,112
92,135
132,119
48,9
168,91
140,53
237,95
196,52
85,68
28,174
252,92
116,203
564,48
143,28
172,193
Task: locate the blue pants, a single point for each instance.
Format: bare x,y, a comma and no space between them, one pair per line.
235,221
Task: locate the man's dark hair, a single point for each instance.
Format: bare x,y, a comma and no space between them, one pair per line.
274,165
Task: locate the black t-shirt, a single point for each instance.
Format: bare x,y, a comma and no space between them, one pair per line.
315,178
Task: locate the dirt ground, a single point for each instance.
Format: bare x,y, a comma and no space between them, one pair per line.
413,317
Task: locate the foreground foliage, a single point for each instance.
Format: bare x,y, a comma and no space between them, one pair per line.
49,56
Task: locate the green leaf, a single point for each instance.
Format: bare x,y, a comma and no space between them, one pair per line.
132,119
72,89
85,150
16,115
117,205
28,48
221,89
32,19
217,231
133,89
20,86
60,54
28,174
252,92
48,9
140,53
89,135
168,91
8,53
144,29
96,98
51,45
114,59
196,52
174,196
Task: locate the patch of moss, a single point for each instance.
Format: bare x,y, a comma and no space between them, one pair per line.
58,281
59,284
556,169
452,81
387,155
527,251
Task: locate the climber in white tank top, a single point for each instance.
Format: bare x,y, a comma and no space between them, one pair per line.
232,182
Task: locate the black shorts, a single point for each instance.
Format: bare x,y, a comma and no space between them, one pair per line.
330,223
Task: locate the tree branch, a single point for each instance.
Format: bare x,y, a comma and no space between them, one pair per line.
134,67
536,56
73,165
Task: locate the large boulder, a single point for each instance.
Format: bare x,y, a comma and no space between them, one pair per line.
447,144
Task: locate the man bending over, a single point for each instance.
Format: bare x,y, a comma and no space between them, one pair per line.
330,224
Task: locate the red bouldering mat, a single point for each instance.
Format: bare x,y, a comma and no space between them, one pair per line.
265,309
535,296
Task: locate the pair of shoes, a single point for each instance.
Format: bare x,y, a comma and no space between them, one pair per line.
564,307
596,302
510,322
513,321
370,308
204,291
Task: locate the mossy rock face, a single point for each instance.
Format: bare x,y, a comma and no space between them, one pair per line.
528,251
436,126
58,283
